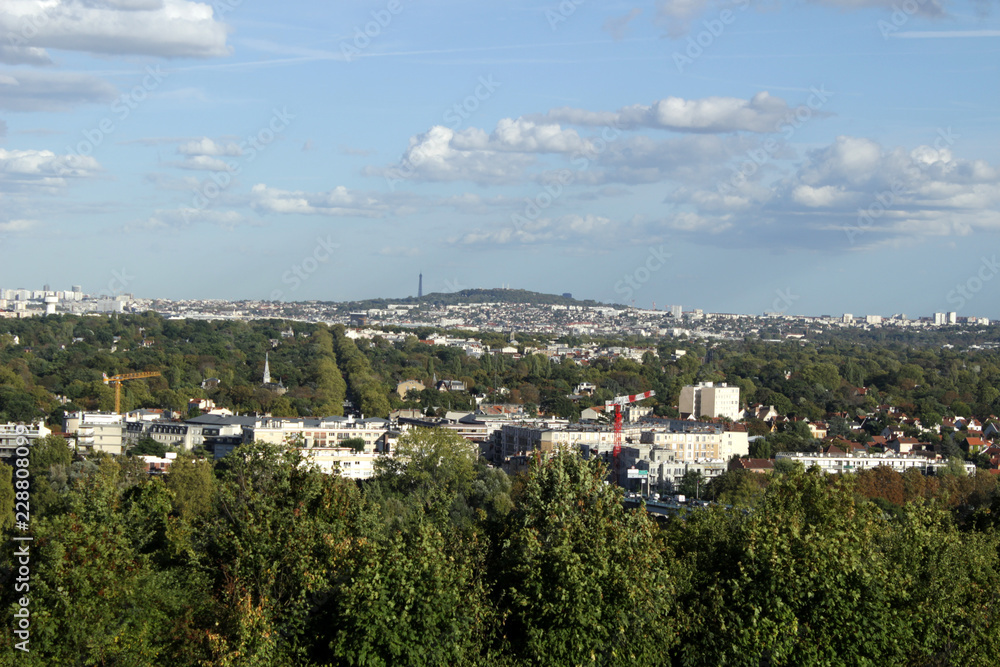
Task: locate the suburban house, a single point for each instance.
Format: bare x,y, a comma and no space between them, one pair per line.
406,386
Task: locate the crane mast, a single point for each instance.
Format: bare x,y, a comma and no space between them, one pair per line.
618,402
117,380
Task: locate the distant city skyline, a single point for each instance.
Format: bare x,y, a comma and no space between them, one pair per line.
117,301
824,157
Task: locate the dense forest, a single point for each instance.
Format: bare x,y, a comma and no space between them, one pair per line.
439,559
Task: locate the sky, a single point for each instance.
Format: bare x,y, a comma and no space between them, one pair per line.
810,157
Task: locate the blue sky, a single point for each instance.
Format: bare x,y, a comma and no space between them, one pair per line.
811,157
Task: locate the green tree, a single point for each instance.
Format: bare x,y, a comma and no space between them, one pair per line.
49,460
691,484
773,586
580,580
97,597
193,484
147,446
413,597
6,497
740,488
280,537
357,444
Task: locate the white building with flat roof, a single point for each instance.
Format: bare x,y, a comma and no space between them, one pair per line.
96,431
711,401
327,432
841,463
10,432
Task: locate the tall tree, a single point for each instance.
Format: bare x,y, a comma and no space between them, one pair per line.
580,580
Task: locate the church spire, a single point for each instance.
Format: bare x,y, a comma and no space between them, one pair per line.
267,369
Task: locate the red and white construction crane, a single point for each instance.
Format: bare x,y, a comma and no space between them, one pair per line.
618,402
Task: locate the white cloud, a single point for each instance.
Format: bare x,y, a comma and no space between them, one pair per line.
681,17
689,221
23,55
676,15
15,226
521,136
165,28
27,168
30,90
206,146
853,194
337,202
204,163
692,159
850,160
436,155
181,217
761,113
563,229
827,195
505,154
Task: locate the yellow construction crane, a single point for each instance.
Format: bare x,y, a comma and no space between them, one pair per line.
117,380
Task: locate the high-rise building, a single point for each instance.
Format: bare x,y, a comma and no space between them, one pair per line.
707,399
940,318
952,318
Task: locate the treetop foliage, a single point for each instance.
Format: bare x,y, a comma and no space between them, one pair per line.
261,559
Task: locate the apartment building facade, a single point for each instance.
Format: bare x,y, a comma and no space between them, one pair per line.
710,400
843,463
10,433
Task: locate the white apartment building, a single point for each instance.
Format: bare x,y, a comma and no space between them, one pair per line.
325,432
342,460
320,439
665,472
10,432
841,463
686,446
518,440
186,435
96,431
734,443
712,401
692,441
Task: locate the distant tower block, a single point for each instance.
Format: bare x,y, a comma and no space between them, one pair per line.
420,286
